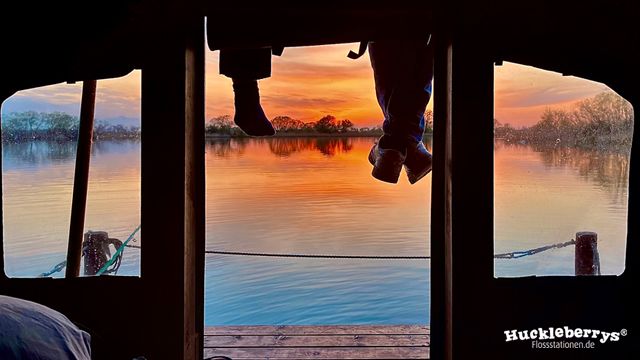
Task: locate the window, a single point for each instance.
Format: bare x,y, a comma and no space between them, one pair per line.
39,135
562,147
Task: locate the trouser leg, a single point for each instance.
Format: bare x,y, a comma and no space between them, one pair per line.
403,72
246,64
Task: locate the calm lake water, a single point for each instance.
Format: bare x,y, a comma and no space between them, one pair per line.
316,196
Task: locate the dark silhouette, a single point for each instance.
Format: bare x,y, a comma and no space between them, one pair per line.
245,68
403,71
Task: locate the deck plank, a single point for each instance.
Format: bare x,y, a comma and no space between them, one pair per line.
318,330
359,353
315,341
357,342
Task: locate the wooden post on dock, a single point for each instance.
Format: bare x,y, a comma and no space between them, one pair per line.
587,257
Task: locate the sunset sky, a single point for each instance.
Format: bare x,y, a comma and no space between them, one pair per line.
308,83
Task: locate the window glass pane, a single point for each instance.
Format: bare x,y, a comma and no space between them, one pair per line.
562,148
39,133
113,199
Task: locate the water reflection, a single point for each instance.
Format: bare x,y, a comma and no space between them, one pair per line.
327,146
608,170
545,194
315,195
37,153
40,153
287,146
282,147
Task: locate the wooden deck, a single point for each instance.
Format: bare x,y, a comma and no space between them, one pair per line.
318,342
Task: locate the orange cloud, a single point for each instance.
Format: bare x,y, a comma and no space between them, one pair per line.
307,83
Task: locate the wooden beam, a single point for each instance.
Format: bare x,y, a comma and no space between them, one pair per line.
441,210
81,178
172,193
469,241
194,189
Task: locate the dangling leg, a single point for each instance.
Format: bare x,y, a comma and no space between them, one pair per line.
245,68
403,72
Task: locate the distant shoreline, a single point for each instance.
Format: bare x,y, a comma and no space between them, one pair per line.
290,135
301,135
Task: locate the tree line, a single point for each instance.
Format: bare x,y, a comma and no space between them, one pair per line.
329,124
603,121
224,125
32,125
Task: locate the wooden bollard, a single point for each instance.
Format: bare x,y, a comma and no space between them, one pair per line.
587,257
95,250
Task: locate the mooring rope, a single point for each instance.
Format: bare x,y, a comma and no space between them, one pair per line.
55,269
117,254
116,258
318,256
519,254
509,255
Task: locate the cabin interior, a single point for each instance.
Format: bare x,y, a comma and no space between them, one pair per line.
470,309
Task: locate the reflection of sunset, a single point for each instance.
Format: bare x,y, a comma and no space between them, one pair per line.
309,195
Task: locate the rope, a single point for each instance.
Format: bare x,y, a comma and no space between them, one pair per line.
117,254
519,254
511,255
55,269
317,256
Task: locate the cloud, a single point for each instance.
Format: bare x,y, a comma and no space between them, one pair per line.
524,86
522,93
307,83
326,104
114,97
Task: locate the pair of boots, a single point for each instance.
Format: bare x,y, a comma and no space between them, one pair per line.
390,154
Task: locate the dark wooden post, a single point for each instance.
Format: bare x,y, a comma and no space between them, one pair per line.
587,257
81,178
92,250
441,226
172,192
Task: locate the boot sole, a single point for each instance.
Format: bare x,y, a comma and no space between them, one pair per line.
382,171
415,178
386,175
